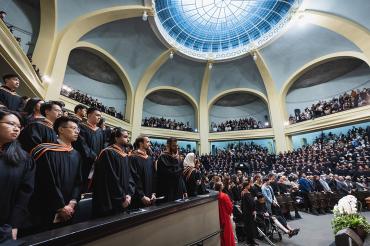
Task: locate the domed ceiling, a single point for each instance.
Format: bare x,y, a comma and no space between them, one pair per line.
221,29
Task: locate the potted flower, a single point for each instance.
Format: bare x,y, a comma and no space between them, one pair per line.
346,216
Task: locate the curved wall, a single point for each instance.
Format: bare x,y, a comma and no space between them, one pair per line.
183,113
256,109
109,94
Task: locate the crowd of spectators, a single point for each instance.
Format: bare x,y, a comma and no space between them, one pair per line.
346,155
19,40
90,101
157,122
353,99
238,125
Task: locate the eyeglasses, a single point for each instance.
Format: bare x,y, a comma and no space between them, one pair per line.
76,129
11,124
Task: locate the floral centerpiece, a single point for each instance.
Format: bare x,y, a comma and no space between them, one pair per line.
347,216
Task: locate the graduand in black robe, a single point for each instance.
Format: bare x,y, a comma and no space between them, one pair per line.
37,132
16,187
144,175
192,178
10,99
248,206
57,181
90,143
170,182
112,181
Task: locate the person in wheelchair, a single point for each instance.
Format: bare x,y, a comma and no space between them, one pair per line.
264,217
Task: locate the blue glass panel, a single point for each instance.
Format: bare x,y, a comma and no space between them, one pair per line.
219,25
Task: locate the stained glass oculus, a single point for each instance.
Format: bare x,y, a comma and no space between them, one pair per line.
221,29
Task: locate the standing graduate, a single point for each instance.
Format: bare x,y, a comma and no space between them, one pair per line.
90,142
41,130
32,110
58,177
192,175
113,185
143,173
80,112
170,182
248,207
16,175
8,95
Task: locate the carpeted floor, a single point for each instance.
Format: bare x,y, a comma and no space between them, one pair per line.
315,231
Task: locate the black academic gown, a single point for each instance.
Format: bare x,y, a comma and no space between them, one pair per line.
248,206
170,182
112,181
89,143
16,186
57,181
192,180
37,132
10,99
144,175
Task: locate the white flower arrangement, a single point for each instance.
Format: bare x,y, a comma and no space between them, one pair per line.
346,205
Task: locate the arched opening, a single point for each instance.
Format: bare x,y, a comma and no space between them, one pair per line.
170,109
238,110
330,86
91,80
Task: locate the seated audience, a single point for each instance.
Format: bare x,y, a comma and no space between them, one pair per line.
279,221
91,102
356,98
166,124
237,125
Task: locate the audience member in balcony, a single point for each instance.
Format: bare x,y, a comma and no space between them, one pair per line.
90,101
2,15
90,143
58,177
8,95
170,182
237,125
16,177
144,174
166,124
356,98
113,185
192,175
32,110
41,131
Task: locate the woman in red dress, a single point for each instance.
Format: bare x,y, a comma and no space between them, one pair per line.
225,208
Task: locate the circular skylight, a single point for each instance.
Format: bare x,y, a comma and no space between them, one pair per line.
221,29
